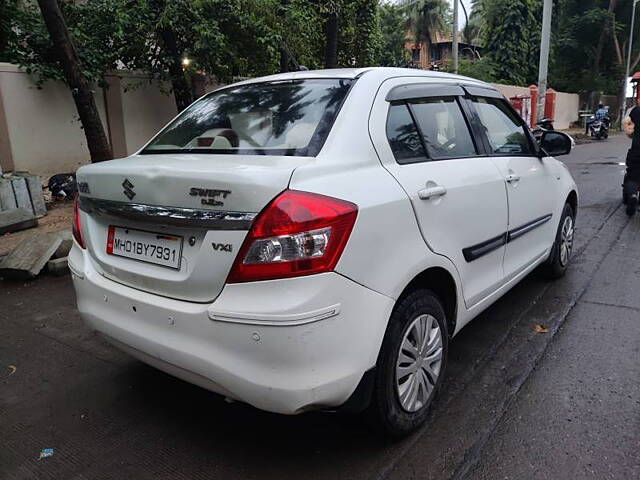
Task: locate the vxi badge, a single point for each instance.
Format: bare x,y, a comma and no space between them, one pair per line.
210,196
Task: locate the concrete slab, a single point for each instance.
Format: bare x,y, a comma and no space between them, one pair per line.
58,266
21,193
65,246
30,257
16,219
37,198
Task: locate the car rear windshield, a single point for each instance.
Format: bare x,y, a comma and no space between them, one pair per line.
291,117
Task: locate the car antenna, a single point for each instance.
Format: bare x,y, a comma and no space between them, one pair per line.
300,68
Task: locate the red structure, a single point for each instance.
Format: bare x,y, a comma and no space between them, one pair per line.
534,104
550,104
527,107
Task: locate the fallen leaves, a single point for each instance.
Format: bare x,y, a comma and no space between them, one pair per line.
47,452
12,370
540,328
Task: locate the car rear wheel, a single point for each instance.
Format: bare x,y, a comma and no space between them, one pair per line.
411,363
560,256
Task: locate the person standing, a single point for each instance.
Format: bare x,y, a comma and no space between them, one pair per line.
632,176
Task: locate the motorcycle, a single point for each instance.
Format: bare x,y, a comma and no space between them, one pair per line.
598,129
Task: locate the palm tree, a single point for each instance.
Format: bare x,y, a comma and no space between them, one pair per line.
426,17
475,26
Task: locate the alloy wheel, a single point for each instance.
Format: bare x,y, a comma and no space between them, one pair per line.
566,241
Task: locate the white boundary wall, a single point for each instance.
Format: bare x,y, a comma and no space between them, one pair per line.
40,131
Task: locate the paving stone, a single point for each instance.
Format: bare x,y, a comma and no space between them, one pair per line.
37,198
16,219
58,266
7,199
21,193
30,257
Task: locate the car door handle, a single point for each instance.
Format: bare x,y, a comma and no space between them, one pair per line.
432,192
512,177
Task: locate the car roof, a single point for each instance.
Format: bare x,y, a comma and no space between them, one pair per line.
382,74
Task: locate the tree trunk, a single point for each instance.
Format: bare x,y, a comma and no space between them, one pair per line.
97,142
284,60
181,89
331,35
284,54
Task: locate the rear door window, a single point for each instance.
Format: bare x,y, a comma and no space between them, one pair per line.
403,136
444,129
505,131
429,129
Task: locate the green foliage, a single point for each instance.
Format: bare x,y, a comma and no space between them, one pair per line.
300,26
91,25
511,39
7,10
223,38
509,31
481,69
360,41
393,22
579,25
475,30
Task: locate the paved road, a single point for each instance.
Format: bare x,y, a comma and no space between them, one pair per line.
517,404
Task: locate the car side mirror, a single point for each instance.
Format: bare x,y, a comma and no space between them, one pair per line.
554,143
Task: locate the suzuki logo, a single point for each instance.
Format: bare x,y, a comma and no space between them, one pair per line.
222,247
128,189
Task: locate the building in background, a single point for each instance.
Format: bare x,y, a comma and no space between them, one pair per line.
434,53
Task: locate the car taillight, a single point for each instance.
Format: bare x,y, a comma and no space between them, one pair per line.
298,233
77,226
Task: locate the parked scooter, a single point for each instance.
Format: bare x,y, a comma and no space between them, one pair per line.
598,129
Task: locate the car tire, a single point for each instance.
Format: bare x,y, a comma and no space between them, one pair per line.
560,256
393,408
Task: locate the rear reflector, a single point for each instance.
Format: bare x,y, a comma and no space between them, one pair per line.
298,233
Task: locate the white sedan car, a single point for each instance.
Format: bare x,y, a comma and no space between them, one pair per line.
313,240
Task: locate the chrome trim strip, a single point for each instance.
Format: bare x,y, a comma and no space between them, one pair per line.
273,320
177,216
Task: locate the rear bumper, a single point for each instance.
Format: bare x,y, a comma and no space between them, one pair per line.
284,346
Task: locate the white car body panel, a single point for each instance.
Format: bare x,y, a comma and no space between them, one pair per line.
295,344
271,360
473,210
530,197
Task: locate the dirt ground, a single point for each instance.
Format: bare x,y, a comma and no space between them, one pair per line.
59,217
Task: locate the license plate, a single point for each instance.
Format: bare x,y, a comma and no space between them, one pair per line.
150,247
